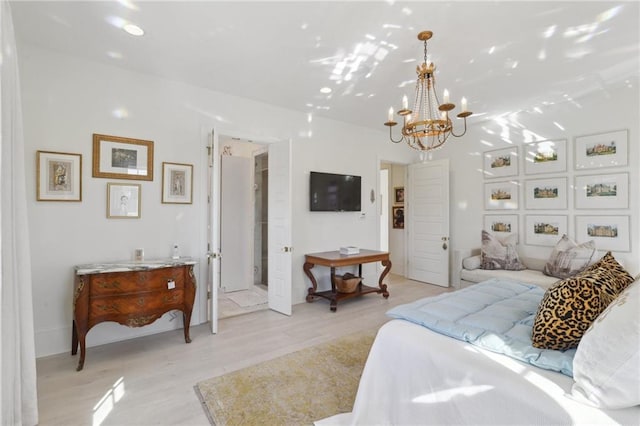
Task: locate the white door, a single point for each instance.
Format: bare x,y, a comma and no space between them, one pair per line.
236,213
213,227
427,222
279,228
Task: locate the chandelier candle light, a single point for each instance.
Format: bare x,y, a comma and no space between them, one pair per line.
428,125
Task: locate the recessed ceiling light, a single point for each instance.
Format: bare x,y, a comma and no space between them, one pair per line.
133,29
325,90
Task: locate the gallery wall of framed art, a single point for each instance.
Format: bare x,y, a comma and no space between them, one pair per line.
578,186
59,175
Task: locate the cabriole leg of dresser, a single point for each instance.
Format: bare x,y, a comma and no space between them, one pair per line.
74,338
186,317
80,329
82,354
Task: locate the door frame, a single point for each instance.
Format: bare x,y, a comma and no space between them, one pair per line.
379,161
215,253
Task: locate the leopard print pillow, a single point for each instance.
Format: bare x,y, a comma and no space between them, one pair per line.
570,306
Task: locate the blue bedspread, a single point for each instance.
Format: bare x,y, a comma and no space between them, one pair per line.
496,314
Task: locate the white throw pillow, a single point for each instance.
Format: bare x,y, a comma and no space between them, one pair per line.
568,258
606,367
471,263
499,253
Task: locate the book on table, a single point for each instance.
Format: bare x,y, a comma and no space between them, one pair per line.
349,250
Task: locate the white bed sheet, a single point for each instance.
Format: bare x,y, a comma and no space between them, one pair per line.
414,376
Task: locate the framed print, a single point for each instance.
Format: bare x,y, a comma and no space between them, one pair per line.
545,157
398,217
58,176
602,191
550,194
399,194
609,232
122,158
501,195
123,200
177,183
544,230
602,150
501,162
501,225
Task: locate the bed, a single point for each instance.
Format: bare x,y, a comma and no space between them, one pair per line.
417,376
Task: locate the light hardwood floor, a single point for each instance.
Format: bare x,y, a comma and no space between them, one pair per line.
150,380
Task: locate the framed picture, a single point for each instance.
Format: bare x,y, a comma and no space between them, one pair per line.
501,162
501,195
549,194
545,157
602,191
398,217
501,225
609,232
602,150
123,200
544,230
399,194
58,176
177,183
116,157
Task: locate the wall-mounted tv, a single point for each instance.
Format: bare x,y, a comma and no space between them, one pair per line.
329,192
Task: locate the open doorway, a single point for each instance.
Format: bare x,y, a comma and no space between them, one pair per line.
391,180
243,228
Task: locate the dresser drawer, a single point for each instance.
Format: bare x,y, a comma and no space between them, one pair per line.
141,303
113,283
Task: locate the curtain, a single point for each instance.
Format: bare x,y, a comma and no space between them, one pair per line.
17,349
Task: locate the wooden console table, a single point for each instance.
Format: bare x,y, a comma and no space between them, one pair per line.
130,293
334,259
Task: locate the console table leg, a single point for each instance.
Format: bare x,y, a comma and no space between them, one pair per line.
334,305
383,287
311,291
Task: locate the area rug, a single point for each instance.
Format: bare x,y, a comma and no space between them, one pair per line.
246,298
295,389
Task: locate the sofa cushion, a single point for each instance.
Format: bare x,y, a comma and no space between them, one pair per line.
569,258
526,276
570,306
606,367
500,254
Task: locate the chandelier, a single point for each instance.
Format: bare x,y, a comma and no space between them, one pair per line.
427,126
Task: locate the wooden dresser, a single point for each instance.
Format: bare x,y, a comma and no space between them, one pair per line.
133,294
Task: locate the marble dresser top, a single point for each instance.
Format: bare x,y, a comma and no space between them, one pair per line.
125,266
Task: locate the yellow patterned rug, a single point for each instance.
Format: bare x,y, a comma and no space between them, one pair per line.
295,389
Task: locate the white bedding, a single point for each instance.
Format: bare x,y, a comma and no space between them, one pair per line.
414,376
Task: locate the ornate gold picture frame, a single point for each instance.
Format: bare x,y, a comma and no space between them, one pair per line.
58,176
177,183
116,157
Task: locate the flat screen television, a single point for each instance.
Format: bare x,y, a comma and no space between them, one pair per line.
330,192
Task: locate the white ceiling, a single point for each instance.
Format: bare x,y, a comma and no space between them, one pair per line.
503,56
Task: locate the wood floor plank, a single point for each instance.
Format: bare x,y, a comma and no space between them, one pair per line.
149,380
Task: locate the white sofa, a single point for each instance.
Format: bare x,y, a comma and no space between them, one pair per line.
466,270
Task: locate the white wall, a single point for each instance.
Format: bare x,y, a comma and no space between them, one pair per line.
66,100
604,111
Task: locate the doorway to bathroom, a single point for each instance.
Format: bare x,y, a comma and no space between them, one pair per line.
244,228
